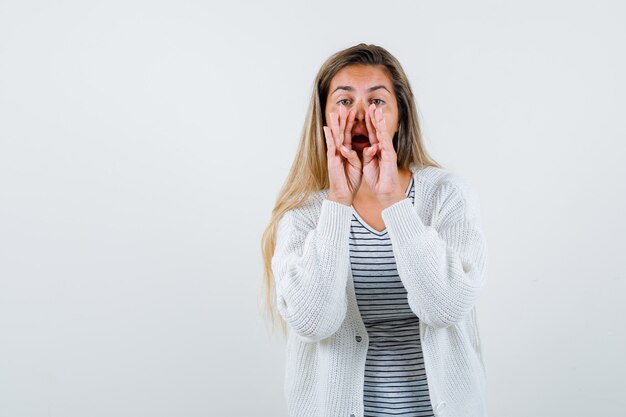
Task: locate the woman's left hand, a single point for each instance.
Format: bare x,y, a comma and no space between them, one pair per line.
380,168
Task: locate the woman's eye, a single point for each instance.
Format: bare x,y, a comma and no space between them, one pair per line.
346,101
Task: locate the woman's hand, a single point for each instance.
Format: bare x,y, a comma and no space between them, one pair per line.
380,167
344,165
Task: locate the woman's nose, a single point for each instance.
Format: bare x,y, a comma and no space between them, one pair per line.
361,109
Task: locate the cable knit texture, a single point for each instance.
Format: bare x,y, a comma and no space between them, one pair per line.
441,257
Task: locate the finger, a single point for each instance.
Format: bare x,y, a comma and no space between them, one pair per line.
334,127
330,142
351,156
368,154
371,130
381,130
343,118
347,140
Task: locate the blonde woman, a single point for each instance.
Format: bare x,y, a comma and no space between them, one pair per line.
375,257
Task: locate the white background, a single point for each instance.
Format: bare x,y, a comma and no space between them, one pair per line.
143,143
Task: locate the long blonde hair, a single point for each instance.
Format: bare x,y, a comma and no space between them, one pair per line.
309,172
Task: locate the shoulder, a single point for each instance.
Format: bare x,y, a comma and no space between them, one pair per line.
307,213
443,189
436,177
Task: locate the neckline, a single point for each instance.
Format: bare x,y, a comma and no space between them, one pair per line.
370,228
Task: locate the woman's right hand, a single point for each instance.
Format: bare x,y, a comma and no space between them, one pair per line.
344,165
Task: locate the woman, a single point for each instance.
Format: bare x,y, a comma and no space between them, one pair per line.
375,256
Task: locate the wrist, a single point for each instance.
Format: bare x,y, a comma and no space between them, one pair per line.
343,201
387,201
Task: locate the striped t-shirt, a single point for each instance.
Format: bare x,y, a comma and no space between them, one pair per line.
395,379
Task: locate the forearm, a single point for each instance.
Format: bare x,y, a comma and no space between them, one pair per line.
442,271
311,272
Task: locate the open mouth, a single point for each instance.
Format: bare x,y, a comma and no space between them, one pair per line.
360,139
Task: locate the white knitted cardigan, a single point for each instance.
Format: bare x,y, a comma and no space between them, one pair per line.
441,258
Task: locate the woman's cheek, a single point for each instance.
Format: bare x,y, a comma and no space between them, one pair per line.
333,108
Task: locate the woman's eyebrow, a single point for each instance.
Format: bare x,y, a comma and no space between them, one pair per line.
350,88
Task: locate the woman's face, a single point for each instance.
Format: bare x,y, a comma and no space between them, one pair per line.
359,86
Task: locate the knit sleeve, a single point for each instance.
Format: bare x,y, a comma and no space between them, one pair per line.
310,266
442,266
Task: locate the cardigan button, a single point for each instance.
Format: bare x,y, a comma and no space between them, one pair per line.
351,415
358,338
